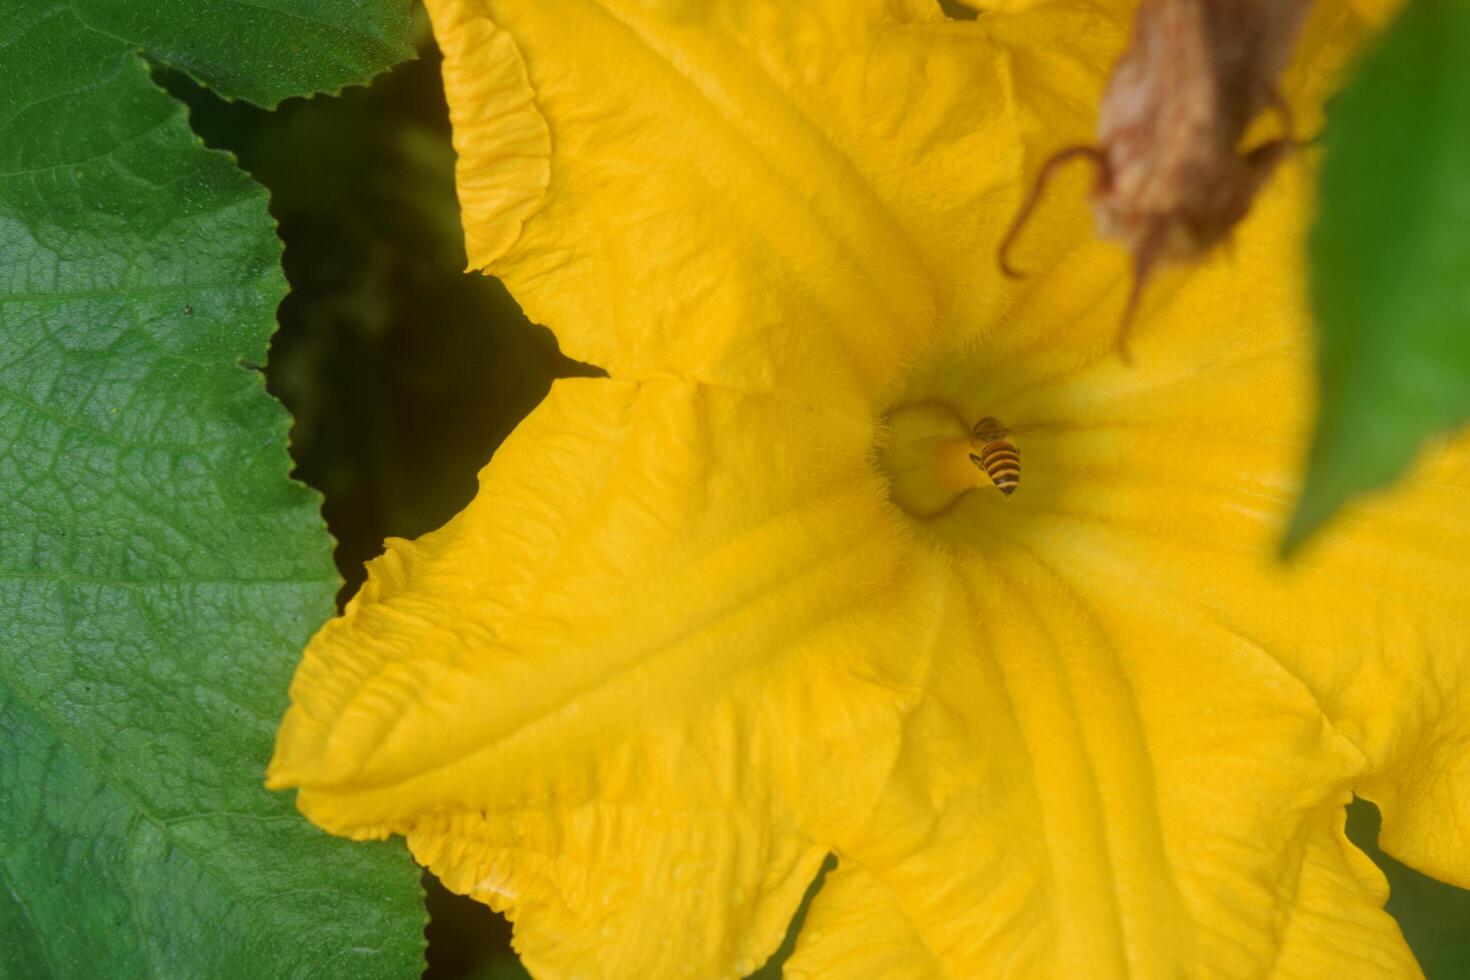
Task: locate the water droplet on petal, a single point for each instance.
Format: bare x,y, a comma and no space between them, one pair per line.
744,967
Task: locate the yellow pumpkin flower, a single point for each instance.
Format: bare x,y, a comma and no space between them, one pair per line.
746,601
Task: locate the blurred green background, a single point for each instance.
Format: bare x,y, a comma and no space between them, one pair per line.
403,374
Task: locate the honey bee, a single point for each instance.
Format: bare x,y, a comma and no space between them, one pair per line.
998,456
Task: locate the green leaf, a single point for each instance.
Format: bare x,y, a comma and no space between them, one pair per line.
261,50
159,572
1390,260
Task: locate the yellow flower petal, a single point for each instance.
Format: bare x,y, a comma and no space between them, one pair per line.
857,928
1162,807
634,705
757,193
590,698
680,173
1092,789
1338,925
1173,481
681,646
503,142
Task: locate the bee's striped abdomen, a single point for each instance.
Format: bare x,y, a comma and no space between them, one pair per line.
998,456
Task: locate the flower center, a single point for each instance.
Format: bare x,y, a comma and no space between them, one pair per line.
933,457
985,443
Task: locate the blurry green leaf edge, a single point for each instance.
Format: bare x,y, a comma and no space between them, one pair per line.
1390,263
